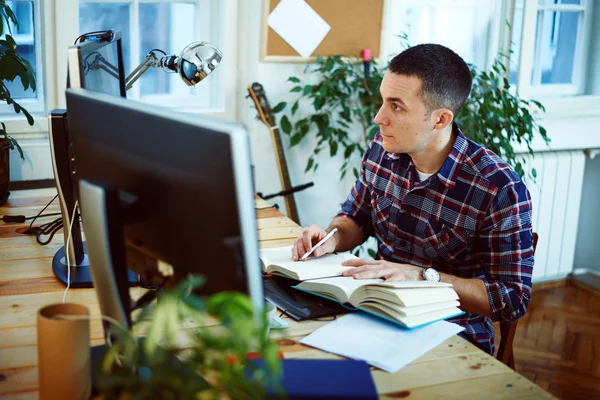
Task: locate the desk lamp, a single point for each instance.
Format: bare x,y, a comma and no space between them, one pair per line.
195,62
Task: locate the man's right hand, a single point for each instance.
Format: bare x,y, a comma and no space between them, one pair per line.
308,238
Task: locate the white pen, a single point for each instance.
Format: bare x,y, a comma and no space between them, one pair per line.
330,234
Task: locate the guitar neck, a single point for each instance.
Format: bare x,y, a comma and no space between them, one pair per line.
284,174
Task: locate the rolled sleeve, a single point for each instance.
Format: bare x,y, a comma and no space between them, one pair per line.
505,249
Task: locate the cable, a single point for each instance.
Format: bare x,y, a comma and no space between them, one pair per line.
40,213
67,251
47,229
12,219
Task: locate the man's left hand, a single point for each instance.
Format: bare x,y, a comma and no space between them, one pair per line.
371,269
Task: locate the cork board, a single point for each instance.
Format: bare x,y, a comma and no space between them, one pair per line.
355,25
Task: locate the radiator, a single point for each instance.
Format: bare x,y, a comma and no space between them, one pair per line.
556,198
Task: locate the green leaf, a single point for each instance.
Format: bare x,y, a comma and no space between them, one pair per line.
308,89
309,164
333,146
296,89
286,126
295,139
11,42
349,151
293,79
295,108
28,116
279,107
329,64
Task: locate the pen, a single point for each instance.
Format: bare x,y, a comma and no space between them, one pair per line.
330,234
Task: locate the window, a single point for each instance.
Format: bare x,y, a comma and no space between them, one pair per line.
466,26
27,39
168,25
549,46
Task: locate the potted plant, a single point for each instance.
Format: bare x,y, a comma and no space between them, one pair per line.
213,359
343,104
12,65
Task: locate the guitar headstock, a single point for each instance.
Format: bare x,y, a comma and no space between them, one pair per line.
258,96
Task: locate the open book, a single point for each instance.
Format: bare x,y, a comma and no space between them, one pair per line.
278,261
409,303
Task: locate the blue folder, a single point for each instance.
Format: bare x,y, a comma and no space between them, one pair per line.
327,379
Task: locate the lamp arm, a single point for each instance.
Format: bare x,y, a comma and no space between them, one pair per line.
150,61
109,70
114,71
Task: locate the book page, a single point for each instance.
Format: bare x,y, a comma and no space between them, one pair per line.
413,284
280,259
340,287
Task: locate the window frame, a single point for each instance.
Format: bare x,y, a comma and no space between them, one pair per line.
528,52
35,106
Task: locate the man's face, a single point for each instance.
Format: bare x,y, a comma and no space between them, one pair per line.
405,124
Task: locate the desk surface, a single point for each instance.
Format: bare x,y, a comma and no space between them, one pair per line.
454,369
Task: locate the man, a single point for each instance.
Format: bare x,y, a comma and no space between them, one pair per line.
441,206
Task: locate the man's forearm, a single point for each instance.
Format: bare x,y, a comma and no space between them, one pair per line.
472,294
348,235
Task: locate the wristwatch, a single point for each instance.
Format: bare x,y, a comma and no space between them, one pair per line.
431,275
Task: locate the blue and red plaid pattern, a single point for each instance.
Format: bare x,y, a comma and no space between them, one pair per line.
472,220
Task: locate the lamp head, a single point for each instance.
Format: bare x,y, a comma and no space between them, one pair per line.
195,62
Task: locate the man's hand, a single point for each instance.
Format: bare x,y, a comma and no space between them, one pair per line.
308,238
370,269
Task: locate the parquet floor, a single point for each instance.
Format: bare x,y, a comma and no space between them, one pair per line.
557,343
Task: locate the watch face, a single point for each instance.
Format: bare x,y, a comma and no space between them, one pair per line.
431,274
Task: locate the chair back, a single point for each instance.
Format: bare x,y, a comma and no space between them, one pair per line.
507,332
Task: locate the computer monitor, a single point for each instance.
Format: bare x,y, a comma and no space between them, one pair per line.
173,186
96,63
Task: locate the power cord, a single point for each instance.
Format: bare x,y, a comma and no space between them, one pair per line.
15,219
67,251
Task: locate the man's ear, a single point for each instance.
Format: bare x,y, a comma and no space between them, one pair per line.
442,118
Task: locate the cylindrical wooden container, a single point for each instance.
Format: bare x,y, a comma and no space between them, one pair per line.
64,352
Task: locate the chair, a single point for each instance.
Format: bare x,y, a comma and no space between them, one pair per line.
507,333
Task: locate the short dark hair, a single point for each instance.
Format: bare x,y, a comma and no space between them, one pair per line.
445,75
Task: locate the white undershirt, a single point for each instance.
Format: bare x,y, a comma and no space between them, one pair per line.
422,176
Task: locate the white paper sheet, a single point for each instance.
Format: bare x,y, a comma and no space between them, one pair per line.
380,343
299,25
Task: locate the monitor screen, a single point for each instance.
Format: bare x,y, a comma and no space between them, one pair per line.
184,184
97,64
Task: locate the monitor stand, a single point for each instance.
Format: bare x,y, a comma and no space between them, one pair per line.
81,276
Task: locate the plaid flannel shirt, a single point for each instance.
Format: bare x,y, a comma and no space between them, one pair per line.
472,219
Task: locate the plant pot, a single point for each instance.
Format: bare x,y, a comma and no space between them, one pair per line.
4,170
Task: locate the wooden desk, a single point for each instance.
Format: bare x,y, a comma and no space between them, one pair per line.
454,369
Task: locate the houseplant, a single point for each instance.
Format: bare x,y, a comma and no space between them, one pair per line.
213,360
343,104
12,65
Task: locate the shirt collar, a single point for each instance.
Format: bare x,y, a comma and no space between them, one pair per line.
449,170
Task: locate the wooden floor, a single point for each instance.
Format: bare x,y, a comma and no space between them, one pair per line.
557,343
